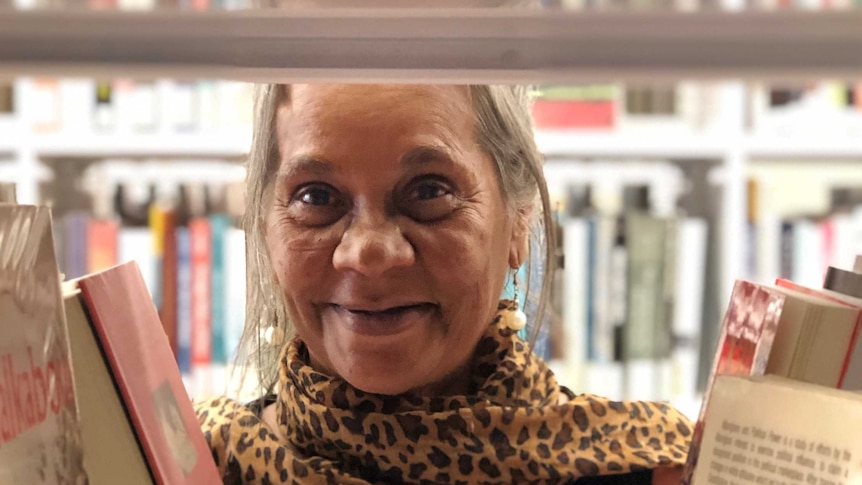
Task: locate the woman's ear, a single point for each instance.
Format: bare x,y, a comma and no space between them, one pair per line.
519,245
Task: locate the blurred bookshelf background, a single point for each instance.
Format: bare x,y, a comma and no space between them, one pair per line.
664,193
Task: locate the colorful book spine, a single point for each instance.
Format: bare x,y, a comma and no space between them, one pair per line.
101,244
163,225
201,293
75,238
219,226
184,300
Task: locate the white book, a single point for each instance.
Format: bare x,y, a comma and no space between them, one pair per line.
77,105
136,244
235,287
688,306
808,264
575,299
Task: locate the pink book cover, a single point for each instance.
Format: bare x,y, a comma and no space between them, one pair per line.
201,299
851,374
147,375
744,343
40,441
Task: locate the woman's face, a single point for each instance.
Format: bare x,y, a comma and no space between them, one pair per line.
388,233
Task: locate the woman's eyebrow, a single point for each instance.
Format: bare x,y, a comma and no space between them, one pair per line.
425,154
305,165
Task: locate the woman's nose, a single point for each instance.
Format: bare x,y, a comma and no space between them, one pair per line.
372,246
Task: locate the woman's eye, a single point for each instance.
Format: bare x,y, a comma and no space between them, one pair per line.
428,191
316,204
429,200
315,196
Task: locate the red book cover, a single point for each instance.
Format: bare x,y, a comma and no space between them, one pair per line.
201,265
102,244
146,373
744,343
573,114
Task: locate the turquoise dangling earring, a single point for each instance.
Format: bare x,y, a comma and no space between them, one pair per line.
518,319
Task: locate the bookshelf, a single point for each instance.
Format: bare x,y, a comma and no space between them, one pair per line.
447,46
477,45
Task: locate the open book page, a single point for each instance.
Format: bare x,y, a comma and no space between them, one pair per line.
772,430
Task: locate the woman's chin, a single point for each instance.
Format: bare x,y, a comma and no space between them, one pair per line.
387,383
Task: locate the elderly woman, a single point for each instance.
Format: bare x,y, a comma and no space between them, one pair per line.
383,223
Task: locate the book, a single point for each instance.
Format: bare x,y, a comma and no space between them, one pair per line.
118,335
843,281
184,300
852,378
744,342
780,331
112,453
101,244
813,339
40,440
200,285
75,234
568,107
646,337
774,430
162,219
687,319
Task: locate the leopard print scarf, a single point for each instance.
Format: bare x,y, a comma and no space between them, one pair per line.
512,429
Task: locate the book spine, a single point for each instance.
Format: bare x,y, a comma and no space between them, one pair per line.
218,257
165,240
646,248
75,238
574,301
688,312
183,299
602,343
235,299
101,244
201,293
591,307
845,282
136,244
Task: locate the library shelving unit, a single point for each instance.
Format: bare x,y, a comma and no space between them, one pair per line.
728,48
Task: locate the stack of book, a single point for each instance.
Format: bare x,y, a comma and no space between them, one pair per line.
795,425
93,394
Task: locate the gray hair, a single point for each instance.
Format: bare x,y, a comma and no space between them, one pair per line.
504,131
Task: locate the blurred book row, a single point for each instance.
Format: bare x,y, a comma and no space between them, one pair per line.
772,109
630,294
76,106
191,255
84,106
800,246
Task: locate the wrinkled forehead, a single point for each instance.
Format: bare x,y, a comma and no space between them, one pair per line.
410,106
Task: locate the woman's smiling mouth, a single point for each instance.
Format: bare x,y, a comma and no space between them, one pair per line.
383,320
